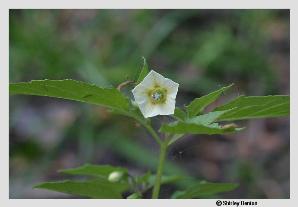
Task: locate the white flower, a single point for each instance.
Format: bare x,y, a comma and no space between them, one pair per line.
156,95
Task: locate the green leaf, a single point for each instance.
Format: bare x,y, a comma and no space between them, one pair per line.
150,179
199,104
207,119
143,179
90,188
252,107
179,114
147,180
165,179
72,90
203,189
193,128
143,72
134,196
94,170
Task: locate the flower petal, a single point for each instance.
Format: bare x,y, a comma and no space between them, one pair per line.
172,88
139,93
158,78
148,110
149,80
168,108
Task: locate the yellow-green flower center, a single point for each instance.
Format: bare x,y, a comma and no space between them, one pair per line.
158,95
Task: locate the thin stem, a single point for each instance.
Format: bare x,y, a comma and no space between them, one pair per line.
163,150
153,133
162,156
150,130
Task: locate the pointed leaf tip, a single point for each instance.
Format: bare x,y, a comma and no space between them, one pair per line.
199,104
144,71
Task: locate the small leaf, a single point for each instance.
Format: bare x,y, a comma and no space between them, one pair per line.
199,104
208,118
143,72
179,114
134,196
91,188
72,90
203,189
143,179
252,107
94,170
192,128
205,119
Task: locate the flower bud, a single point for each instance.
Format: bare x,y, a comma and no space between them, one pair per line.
115,176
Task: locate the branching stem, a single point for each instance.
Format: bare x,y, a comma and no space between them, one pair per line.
150,130
163,145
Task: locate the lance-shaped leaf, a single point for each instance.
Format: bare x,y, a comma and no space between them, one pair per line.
204,189
207,119
202,124
94,170
91,188
192,128
199,104
72,90
251,107
143,72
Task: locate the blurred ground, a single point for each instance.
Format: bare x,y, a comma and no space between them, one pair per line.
202,50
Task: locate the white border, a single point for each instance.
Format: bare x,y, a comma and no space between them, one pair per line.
150,4
4,104
140,4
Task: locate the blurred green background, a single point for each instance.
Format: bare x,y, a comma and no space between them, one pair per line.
202,50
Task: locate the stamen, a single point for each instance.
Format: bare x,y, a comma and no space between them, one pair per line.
156,96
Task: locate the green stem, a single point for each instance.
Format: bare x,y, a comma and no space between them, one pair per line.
163,151
162,156
150,130
153,133
146,125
